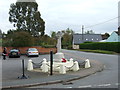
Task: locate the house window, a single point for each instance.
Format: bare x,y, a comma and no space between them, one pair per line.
86,39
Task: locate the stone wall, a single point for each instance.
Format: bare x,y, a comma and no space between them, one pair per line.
41,50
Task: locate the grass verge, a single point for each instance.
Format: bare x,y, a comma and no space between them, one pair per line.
98,51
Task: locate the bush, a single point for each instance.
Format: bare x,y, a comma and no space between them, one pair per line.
49,46
22,39
109,46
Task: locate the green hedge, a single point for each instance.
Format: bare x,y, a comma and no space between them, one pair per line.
109,46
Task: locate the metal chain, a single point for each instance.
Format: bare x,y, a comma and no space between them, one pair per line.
36,65
70,67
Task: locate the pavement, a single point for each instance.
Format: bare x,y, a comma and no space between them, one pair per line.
40,78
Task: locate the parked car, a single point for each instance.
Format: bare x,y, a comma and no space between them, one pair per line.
14,53
32,52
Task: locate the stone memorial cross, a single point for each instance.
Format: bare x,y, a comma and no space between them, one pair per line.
59,36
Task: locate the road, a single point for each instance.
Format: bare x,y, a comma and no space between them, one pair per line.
108,78
13,66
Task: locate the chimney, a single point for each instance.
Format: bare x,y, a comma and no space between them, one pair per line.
119,30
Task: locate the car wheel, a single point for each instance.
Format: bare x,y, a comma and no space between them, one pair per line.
37,55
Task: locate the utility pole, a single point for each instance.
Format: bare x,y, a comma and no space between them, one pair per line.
82,33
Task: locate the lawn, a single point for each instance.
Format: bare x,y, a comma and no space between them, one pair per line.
98,51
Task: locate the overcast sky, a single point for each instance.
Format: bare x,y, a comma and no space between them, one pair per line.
63,14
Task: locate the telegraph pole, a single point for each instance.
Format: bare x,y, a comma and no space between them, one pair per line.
82,33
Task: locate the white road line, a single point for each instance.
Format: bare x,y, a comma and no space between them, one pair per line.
103,85
117,84
69,87
88,86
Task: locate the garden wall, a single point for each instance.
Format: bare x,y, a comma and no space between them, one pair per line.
41,50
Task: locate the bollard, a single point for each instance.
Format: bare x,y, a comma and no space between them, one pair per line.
23,74
30,65
71,61
76,66
51,62
44,60
62,69
44,66
87,63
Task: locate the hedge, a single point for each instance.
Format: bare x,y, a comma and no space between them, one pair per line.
109,46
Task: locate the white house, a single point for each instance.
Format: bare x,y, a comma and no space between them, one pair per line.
114,37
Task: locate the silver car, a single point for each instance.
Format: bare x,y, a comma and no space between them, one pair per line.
32,52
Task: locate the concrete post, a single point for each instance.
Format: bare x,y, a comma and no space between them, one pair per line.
62,69
44,60
76,66
30,65
71,61
44,66
87,63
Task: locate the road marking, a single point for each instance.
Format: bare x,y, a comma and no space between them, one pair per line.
104,85
88,86
117,84
101,85
69,87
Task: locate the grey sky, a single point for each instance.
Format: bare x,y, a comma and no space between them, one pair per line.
61,14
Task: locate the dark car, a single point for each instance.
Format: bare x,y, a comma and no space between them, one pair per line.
14,53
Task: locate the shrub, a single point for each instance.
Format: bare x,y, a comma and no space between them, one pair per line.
48,46
88,42
22,39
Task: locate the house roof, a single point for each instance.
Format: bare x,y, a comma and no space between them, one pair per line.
104,36
80,38
118,33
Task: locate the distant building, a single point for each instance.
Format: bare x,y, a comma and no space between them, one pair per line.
114,37
105,36
81,38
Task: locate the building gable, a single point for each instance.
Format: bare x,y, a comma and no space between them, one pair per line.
113,37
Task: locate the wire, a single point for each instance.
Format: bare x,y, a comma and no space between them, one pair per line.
102,22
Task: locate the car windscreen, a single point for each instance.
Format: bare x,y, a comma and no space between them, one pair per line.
14,50
32,49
